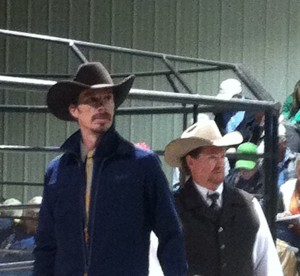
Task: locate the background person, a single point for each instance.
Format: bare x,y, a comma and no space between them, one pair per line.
291,114
103,196
19,245
249,124
247,175
287,230
224,227
9,218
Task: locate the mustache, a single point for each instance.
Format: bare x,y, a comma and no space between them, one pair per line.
104,115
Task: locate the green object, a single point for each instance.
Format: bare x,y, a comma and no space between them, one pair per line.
247,164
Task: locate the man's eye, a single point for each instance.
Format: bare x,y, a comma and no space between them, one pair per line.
108,97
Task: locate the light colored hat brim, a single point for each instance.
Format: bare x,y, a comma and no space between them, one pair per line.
180,147
226,95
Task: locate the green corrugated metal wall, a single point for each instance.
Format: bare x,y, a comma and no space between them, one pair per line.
262,34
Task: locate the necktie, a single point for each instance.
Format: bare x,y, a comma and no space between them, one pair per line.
214,205
89,172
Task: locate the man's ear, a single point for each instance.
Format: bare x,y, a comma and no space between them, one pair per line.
189,161
73,111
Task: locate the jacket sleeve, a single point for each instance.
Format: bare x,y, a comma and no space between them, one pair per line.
265,258
165,221
45,250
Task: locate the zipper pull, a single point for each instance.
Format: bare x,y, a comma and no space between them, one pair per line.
86,234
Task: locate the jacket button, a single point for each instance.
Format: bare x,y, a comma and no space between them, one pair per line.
222,247
224,266
220,229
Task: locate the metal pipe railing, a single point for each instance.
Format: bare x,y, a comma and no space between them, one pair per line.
15,266
142,94
266,104
239,69
118,75
110,48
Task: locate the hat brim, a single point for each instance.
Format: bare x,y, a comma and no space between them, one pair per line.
180,147
225,96
64,93
245,164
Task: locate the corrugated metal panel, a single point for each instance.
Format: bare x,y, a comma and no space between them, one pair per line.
263,34
254,37
276,46
3,20
209,43
293,56
14,131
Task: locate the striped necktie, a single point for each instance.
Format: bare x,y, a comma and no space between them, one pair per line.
214,198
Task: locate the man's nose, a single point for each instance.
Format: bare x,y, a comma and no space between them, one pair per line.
98,103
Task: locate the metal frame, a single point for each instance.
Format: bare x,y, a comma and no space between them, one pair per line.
187,103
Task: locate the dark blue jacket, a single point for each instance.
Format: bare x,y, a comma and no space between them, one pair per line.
130,197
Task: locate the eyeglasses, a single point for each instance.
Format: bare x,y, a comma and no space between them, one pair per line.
212,157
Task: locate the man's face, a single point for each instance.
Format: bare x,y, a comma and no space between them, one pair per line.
94,111
247,174
208,168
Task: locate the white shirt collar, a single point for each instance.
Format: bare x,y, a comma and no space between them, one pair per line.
204,191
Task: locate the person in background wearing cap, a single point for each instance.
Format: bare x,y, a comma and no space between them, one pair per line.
19,245
103,196
249,124
23,237
9,218
225,230
247,174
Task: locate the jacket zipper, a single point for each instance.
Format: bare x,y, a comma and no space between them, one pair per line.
90,225
85,248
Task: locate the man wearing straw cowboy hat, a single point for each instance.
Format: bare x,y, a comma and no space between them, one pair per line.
103,196
225,230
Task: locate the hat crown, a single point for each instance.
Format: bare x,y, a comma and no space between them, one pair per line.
247,148
93,73
203,129
230,86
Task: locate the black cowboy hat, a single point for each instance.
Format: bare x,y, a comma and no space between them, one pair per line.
91,75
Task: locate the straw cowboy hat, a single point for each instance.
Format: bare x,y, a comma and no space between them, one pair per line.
92,76
201,134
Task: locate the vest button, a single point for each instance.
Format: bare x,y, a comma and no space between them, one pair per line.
222,247
224,266
220,229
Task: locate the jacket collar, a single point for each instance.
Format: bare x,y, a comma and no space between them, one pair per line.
111,143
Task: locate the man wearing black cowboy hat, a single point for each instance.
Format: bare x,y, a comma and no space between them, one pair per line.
103,196
225,230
